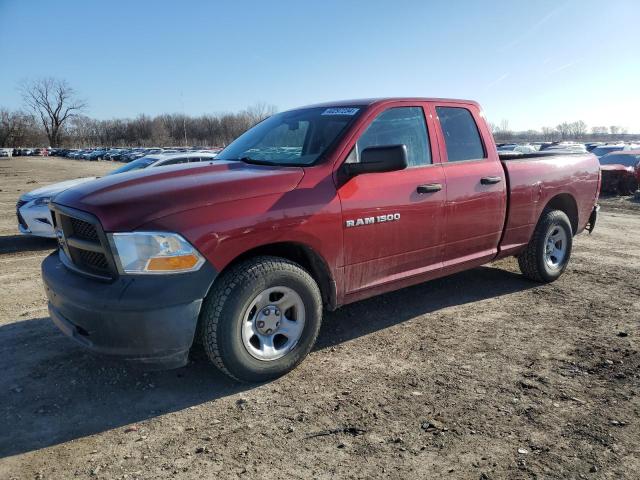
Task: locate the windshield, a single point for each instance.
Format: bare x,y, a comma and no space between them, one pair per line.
599,151
297,137
618,159
135,165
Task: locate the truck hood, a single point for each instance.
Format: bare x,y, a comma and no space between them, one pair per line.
54,189
125,201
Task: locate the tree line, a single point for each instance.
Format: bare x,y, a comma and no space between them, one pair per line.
577,130
54,116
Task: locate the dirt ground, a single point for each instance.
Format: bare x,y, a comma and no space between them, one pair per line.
480,375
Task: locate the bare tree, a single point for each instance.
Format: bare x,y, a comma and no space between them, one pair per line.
10,123
259,111
501,132
549,133
18,128
578,129
55,102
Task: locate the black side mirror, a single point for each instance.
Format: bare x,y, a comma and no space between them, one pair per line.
387,158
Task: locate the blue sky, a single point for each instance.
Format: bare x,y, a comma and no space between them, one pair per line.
533,63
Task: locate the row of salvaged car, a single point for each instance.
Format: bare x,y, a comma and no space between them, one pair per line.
125,154
115,154
619,162
24,152
597,148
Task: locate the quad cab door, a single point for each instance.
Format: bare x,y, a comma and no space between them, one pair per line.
393,222
476,195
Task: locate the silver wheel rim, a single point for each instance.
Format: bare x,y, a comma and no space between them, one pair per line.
555,247
272,324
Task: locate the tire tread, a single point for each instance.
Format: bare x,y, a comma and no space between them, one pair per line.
529,259
245,271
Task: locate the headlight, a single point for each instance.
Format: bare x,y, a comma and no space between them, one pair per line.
41,201
154,252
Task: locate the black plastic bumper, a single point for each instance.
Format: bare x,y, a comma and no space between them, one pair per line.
148,319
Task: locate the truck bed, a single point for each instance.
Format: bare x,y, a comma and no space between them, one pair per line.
534,180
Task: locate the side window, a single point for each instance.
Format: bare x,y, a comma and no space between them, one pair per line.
194,159
461,134
399,125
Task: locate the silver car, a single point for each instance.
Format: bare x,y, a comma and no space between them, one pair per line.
34,217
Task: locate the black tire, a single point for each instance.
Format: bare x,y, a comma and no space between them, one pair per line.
532,261
231,295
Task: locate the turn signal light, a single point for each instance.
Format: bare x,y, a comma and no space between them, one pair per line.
167,264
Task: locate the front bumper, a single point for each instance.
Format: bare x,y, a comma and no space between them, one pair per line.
147,319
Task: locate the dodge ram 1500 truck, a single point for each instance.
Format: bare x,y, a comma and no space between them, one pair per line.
310,209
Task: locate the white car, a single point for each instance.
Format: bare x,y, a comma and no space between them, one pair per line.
34,217
568,146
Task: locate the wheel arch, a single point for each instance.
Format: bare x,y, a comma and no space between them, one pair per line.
306,257
567,204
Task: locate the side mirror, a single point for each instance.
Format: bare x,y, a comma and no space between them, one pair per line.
387,158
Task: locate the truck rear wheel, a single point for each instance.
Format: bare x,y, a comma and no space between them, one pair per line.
548,252
261,319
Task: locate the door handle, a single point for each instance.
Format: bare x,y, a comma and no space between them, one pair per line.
490,180
429,188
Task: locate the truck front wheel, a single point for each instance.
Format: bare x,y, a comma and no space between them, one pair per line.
261,319
548,252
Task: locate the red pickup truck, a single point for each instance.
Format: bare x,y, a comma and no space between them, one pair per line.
311,209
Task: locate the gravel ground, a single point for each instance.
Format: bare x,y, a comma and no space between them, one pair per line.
479,375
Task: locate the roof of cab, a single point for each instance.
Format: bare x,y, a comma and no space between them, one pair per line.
371,101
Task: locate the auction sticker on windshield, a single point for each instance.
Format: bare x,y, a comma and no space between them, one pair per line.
340,111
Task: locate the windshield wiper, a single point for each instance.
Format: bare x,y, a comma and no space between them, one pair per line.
254,161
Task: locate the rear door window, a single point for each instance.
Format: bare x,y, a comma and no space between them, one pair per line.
461,134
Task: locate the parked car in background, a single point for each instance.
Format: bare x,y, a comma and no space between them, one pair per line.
163,160
591,145
568,146
132,154
97,154
32,209
109,154
117,156
620,172
514,147
602,150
